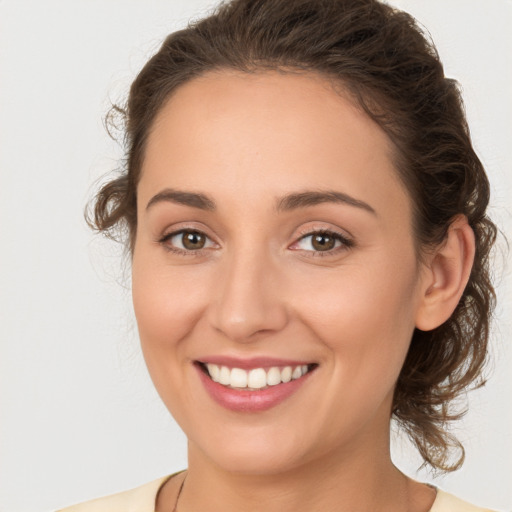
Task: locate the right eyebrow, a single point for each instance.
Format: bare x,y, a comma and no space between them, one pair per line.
193,199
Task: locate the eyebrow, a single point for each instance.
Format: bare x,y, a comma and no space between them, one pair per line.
193,199
312,198
287,203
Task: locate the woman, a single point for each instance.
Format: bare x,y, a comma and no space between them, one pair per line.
307,223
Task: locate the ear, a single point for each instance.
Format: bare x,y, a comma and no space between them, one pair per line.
446,274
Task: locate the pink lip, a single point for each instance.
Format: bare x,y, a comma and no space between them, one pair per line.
242,400
252,362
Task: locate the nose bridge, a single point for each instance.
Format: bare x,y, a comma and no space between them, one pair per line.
248,300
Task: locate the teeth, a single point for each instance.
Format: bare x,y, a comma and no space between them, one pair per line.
286,374
214,372
297,372
273,376
238,378
225,376
256,378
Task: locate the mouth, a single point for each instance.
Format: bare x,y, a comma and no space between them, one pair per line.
254,379
252,385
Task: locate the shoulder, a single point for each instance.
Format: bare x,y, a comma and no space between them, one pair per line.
446,502
140,499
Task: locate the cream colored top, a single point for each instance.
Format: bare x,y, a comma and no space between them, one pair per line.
143,499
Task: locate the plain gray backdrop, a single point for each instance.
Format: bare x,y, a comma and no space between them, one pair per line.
79,417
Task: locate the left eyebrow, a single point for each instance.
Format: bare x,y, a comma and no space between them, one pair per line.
313,197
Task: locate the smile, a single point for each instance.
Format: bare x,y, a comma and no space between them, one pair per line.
259,386
256,378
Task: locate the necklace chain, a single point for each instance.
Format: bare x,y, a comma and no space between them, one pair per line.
175,509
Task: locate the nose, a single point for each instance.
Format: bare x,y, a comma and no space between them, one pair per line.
249,299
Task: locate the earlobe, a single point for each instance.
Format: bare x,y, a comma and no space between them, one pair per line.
446,275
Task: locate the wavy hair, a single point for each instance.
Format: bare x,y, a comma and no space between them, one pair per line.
392,70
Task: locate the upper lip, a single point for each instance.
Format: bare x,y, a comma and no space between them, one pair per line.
251,362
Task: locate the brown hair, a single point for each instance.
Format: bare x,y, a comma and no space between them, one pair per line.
383,59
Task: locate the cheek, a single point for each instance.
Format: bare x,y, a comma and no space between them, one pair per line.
365,316
167,303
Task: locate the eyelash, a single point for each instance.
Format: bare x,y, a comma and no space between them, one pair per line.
176,250
346,243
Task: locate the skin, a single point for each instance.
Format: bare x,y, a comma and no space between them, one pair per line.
259,288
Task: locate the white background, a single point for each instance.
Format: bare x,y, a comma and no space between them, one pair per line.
79,417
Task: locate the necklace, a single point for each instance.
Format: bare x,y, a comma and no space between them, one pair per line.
175,509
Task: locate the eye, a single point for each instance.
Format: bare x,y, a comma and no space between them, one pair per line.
186,240
322,241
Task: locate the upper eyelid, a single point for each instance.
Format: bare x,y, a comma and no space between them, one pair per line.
323,232
170,234
341,233
346,241
183,227
325,224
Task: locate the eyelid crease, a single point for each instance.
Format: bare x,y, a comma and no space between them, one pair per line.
347,239
172,234
182,227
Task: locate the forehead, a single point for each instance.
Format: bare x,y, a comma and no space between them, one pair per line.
241,133
266,105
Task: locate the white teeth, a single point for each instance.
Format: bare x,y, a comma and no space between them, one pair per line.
297,372
238,378
225,376
257,378
286,374
214,372
274,376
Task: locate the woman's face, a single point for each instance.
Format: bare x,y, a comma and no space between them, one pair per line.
273,237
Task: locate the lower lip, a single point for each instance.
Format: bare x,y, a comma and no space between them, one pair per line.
243,400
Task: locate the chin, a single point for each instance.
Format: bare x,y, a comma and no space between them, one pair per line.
252,464
253,454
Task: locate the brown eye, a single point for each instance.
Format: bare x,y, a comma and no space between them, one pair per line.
187,241
323,242
193,240
318,242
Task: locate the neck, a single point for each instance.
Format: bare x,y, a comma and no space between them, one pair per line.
341,482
